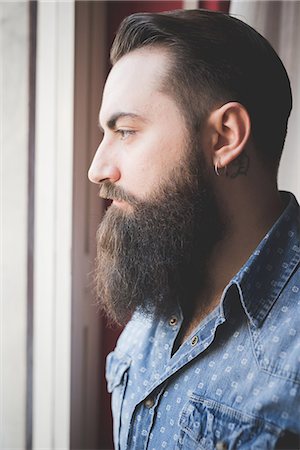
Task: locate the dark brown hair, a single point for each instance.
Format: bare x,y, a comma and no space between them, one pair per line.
217,58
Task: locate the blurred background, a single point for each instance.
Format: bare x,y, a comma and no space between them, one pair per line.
54,61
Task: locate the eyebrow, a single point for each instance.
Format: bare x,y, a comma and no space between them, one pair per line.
112,121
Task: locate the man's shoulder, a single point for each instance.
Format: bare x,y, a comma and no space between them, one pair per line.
136,334
277,341
131,348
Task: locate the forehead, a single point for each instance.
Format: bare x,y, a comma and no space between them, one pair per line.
134,82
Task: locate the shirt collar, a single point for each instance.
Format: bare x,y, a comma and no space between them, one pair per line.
262,278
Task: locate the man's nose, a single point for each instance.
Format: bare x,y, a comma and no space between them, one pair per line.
103,167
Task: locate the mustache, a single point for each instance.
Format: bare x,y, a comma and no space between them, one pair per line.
110,191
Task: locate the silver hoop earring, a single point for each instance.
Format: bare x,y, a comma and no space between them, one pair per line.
217,169
221,168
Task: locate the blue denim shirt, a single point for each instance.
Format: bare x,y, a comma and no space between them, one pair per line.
235,382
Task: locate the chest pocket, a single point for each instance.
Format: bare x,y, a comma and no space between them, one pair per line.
117,368
208,425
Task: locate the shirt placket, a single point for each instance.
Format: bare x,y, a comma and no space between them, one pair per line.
146,407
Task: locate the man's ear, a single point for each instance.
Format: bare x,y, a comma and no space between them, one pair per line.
230,128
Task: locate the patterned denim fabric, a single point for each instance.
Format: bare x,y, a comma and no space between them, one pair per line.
234,383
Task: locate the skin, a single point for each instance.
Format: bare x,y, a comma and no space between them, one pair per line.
138,153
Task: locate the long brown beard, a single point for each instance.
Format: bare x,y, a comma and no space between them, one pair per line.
154,257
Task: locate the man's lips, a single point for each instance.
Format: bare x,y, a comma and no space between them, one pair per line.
114,201
118,202
116,195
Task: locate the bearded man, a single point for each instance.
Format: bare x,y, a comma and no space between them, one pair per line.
199,253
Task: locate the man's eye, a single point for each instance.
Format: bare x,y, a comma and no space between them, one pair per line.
125,133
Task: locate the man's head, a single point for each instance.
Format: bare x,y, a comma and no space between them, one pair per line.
155,237
216,58
181,82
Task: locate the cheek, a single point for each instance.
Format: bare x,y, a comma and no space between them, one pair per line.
142,175
151,162
148,160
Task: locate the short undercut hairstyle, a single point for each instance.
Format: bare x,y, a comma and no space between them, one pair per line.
216,58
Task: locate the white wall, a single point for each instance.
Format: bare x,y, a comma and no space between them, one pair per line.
53,225
14,53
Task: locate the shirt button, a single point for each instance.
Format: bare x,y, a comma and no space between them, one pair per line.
149,402
221,445
173,321
194,340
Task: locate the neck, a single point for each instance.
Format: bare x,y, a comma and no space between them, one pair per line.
250,206
250,216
